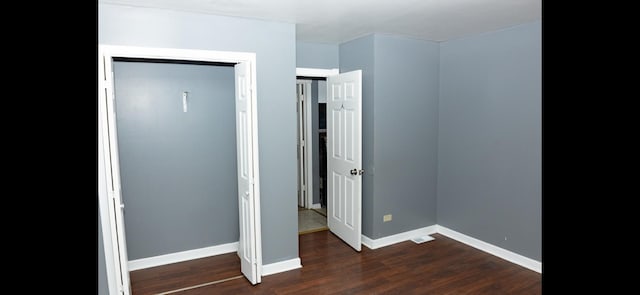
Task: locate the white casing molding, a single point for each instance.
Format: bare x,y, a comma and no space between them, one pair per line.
313,72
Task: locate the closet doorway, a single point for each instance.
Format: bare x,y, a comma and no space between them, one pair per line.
344,152
111,203
312,179
312,163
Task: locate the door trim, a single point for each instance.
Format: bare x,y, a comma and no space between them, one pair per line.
315,72
109,182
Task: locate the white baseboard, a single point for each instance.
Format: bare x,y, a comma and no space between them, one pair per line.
473,242
277,267
182,256
316,206
492,249
397,238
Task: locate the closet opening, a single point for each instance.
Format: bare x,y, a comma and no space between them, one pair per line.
312,153
175,174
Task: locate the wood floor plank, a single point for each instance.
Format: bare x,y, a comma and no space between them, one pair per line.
441,266
183,274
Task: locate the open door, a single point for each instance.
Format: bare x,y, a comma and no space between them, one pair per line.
344,157
246,190
115,204
305,143
302,156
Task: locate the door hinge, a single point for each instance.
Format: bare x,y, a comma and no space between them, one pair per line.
303,144
105,84
112,194
106,80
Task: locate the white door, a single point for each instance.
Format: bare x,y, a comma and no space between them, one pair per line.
344,156
246,199
118,206
302,178
115,202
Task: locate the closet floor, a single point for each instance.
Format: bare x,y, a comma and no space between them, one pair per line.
180,275
311,221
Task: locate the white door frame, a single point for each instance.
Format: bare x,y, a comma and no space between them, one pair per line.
109,193
313,73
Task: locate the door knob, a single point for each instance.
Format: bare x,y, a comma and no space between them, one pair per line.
361,171
354,171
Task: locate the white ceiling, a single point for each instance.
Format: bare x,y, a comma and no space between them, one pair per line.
336,21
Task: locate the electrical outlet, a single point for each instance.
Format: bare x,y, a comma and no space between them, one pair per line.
386,218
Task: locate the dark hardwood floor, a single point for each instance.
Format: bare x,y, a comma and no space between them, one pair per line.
184,274
442,266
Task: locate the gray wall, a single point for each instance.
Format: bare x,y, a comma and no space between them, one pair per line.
316,55
489,120
400,127
489,159
406,133
274,45
358,54
178,170
323,56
